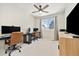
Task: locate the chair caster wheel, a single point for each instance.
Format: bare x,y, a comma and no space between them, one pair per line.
20,47
9,55
19,50
5,51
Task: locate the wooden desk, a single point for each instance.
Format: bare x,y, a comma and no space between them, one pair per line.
68,46
36,34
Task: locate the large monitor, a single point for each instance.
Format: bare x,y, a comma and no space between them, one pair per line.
73,21
9,29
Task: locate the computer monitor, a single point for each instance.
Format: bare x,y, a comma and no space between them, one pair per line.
35,29
9,29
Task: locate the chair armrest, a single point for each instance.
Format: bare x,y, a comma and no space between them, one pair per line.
7,41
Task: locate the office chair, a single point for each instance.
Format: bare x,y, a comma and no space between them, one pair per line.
16,38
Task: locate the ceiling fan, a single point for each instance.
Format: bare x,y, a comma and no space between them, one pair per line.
40,8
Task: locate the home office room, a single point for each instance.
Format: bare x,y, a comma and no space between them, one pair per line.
34,29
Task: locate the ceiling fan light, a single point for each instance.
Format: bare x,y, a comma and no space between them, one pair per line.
40,9
40,12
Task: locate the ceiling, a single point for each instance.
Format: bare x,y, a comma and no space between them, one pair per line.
52,9
29,8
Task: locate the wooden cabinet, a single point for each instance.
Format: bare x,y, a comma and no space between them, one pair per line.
68,46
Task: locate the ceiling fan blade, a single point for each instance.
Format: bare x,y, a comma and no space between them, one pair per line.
36,7
45,7
35,11
45,11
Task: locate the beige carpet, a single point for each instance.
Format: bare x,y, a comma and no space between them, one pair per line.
39,47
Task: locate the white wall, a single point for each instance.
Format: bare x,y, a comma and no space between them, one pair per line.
61,20
17,15
69,8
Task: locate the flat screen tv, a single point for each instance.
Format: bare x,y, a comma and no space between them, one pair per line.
9,29
73,21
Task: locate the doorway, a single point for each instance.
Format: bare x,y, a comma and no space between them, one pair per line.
48,27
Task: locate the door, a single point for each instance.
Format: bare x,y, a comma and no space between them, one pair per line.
48,27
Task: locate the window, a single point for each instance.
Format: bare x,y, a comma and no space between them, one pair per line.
48,22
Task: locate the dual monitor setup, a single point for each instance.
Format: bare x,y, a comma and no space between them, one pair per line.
9,29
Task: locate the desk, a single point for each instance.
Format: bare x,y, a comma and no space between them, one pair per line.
31,36
36,35
2,44
68,46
